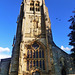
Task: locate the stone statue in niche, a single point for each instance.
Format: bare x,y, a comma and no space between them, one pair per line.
62,61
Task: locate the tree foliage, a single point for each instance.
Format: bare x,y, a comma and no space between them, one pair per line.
72,36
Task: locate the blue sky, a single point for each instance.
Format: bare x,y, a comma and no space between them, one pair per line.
59,13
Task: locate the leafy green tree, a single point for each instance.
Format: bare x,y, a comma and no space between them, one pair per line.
72,36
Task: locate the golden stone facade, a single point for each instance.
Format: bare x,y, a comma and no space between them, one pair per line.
34,52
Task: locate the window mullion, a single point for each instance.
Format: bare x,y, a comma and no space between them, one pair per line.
38,54
29,64
32,63
41,53
39,63
42,63
35,63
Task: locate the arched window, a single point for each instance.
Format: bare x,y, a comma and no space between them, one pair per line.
32,6
37,5
35,56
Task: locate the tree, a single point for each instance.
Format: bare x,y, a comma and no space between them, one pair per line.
72,36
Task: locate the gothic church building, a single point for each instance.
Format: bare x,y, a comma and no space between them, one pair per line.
34,51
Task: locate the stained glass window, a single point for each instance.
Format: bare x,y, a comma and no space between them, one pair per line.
35,56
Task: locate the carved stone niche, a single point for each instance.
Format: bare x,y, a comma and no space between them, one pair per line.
62,61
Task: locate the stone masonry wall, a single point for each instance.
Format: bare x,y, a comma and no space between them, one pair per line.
62,60
5,63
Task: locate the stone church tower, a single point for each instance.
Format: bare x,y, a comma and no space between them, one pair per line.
34,52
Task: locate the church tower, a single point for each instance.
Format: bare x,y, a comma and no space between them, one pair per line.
32,45
34,52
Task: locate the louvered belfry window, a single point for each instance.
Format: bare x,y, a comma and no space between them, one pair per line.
32,6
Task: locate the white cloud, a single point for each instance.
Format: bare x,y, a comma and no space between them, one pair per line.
3,56
66,48
4,49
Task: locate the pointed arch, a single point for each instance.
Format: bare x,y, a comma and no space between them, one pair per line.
38,42
36,53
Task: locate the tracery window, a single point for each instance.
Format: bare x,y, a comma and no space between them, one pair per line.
35,57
